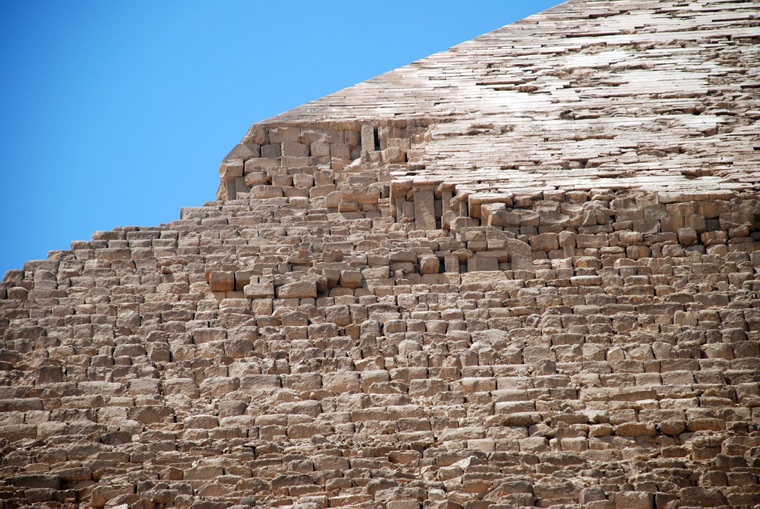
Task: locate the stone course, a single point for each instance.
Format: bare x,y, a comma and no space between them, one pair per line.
521,273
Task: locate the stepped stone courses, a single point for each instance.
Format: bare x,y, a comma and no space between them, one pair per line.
521,273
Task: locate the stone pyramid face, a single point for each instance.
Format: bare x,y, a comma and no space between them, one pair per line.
520,273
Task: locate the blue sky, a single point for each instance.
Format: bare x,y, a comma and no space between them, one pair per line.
118,113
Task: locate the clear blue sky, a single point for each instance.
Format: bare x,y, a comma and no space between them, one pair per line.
117,113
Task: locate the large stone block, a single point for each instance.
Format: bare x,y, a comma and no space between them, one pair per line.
424,207
259,290
298,290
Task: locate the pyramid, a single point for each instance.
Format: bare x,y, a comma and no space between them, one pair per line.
524,272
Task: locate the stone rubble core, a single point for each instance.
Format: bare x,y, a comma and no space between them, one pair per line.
521,273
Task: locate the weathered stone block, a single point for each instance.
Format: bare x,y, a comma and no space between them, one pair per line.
294,149
222,281
339,315
102,494
341,382
687,236
544,242
49,374
266,192
702,497
635,429
201,422
298,290
351,279
633,500
231,169
480,263
259,291
429,264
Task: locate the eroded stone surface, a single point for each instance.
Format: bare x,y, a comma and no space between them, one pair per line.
520,273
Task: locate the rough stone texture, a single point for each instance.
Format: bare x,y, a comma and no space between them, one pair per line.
523,272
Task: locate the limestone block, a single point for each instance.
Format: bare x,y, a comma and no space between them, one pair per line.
150,414
323,330
217,387
672,223
393,155
448,219
481,384
592,241
348,206
341,382
429,264
102,494
201,336
586,281
349,500
544,242
368,143
451,263
259,291
200,422
712,238
266,192
319,149
407,255
743,496
495,214
298,290
648,226
255,176
364,196
303,180
672,251
339,315
183,386
696,221
302,381
705,424
129,350
702,497
271,151
222,281
333,199
246,151
75,474
17,432
144,387
633,500
407,346
672,427
261,307
424,207
626,239
294,149
340,151
369,377
635,429
478,263
687,236
228,170
282,180
159,352
325,191
49,374
533,444
310,407
351,278
520,254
